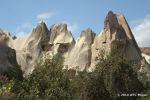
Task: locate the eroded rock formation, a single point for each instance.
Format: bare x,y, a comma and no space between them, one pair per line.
116,35
81,54
8,62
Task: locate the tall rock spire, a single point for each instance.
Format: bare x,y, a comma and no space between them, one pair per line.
80,55
116,35
84,52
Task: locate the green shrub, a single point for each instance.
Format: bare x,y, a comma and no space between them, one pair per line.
118,76
111,77
14,73
5,88
48,81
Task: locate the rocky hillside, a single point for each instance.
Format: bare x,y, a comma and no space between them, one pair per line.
82,53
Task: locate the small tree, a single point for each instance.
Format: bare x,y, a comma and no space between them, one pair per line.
48,81
118,76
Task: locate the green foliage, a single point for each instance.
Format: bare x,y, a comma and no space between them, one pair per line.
15,73
112,77
118,76
89,86
48,81
5,88
7,82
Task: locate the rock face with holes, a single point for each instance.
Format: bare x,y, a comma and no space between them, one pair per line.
41,43
29,48
81,54
61,40
116,35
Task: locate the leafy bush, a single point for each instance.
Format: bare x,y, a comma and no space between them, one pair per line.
14,73
112,77
118,76
5,88
48,81
7,82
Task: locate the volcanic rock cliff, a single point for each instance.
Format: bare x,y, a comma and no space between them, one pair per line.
83,53
116,35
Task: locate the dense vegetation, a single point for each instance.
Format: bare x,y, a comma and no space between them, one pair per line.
49,81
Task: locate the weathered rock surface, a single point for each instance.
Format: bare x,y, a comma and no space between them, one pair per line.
8,62
82,53
7,58
116,35
29,48
61,40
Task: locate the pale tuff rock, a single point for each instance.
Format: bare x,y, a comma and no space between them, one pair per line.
81,54
60,34
145,50
7,55
28,48
4,37
132,53
61,40
121,36
116,35
41,43
147,57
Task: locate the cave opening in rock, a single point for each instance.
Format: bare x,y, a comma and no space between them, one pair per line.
63,48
